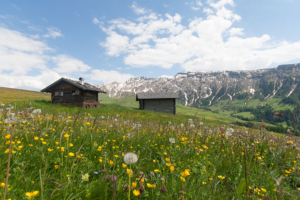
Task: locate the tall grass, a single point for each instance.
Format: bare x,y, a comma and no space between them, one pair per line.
70,153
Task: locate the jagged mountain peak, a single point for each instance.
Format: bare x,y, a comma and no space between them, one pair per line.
205,88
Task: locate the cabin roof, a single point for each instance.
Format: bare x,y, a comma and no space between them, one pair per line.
161,95
85,86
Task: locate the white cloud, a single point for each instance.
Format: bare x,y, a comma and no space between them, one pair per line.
210,43
194,5
68,64
138,10
53,32
29,82
236,31
95,20
21,54
108,76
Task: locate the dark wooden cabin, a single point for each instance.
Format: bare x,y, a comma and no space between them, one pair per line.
74,93
159,102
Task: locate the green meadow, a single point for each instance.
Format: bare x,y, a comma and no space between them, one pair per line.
116,151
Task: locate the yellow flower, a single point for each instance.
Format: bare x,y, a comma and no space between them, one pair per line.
2,184
165,153
71,145
182,179
50,149
211,179
124,165
185,173
156,170
116,156
167,159
7,136
150,185
136,192
68,175
56,166
100,160
66,135
31,194
6,151
71,154
129,172
168,164
263,189
172,168
221,177
62,148
111,162
204,183
36,138
134,184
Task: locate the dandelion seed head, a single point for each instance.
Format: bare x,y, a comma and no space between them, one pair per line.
130,158
172,140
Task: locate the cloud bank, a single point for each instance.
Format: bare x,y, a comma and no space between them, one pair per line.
210,43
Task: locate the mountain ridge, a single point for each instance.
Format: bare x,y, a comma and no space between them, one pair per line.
207,88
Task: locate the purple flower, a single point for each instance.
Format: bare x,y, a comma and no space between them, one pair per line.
152,173
103,171
163,189
141,189
125,187
112,178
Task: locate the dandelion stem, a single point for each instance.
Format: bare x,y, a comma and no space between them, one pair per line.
8,164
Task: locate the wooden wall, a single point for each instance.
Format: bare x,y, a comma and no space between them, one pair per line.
68,97
159,105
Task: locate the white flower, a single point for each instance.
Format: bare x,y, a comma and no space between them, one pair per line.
201,123
190,120
117,115
2,104
37,111
85,177
192,126
23,121
130,158
116,120
172,140
170,122
181,125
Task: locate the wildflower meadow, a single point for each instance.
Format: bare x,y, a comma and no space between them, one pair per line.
105,153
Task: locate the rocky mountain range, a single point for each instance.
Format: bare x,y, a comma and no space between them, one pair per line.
207,88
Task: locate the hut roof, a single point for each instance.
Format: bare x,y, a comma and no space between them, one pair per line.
156,96
85,86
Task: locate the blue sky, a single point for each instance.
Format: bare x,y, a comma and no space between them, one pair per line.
107,41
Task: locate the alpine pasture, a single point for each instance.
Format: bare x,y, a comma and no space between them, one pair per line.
112,152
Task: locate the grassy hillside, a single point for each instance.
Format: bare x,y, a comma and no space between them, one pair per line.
63,152
9,95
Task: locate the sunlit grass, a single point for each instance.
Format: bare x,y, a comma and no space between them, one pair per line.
72,153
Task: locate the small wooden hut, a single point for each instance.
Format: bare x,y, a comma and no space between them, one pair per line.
74,93
159,102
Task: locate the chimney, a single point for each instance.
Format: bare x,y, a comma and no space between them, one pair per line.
81,81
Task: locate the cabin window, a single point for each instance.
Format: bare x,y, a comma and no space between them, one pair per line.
75,92
55,93
61,93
